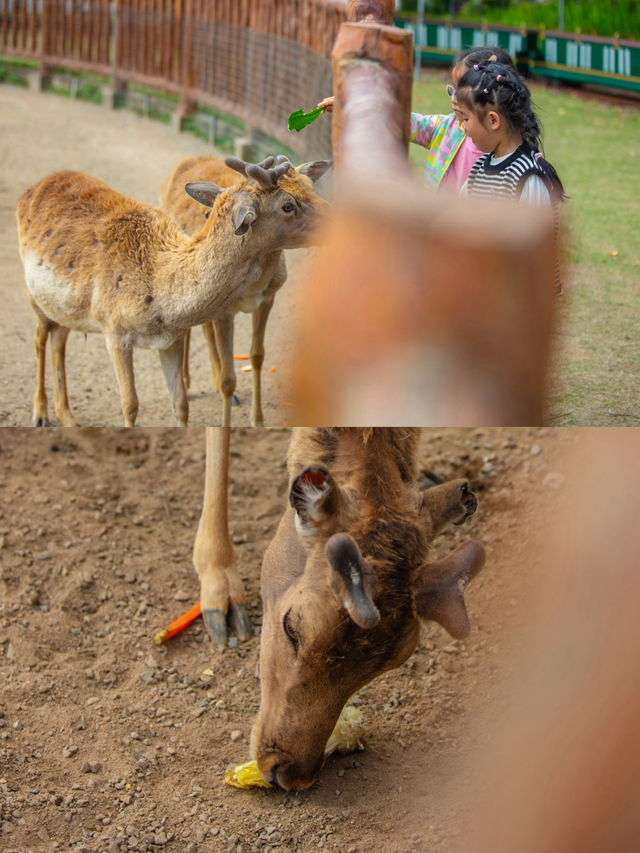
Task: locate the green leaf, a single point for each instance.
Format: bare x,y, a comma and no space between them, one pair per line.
300,119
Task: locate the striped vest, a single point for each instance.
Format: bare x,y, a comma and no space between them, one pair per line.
505,179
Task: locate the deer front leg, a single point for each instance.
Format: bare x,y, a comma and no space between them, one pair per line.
185,360
59,335
259,323
40,405
122,358
172,363
449,502
214,359
223,328
221,588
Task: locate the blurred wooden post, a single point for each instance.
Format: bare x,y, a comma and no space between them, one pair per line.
561,769
373,77
421,308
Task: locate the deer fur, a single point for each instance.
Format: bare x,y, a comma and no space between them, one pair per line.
97,261
345,580
258,298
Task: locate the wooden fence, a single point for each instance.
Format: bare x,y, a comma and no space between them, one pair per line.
255,59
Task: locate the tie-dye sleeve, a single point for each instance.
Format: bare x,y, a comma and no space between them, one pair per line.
423,128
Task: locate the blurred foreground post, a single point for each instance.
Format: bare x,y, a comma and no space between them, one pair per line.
562,774
420,308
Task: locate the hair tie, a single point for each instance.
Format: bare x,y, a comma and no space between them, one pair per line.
498,78
486,91
476,67
538,155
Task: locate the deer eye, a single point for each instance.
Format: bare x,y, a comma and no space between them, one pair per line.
290,631
289,207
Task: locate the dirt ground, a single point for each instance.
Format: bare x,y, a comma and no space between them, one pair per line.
42,133
110,743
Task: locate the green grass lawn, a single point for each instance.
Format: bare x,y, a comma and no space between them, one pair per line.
595,148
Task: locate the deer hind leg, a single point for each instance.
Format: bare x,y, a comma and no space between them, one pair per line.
223,328
259,320
59,335
259,324
221,588
172,367
122,358
40,406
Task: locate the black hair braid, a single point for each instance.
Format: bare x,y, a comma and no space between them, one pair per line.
499,86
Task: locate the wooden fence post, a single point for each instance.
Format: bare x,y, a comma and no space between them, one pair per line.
419,310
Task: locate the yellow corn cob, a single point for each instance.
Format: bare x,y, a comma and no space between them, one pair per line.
245,776
347,736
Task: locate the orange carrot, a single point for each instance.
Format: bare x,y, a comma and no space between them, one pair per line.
241,357
179,625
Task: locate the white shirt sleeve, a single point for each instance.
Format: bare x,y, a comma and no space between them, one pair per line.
535,191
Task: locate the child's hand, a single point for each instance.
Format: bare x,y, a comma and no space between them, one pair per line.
328,104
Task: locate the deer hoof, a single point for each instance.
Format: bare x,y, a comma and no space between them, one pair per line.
239,621
215,622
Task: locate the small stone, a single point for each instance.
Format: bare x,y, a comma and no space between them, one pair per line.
236,734
553,480
181,595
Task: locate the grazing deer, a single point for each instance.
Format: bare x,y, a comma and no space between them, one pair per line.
97,261
257,299
345,581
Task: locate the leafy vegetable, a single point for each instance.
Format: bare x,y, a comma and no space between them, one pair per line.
300,119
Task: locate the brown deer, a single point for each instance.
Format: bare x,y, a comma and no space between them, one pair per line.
97,261
258,298
345,581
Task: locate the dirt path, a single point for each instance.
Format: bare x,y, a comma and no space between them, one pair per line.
109,743
42,133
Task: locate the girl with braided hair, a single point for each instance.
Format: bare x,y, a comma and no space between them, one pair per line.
450,152
495,110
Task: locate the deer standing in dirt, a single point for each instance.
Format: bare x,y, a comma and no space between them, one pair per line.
97,261
258,298
345,581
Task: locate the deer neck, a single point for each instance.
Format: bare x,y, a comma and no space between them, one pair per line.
208,273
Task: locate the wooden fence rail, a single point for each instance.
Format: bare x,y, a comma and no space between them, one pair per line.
256,59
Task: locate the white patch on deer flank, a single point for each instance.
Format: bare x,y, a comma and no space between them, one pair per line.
56,297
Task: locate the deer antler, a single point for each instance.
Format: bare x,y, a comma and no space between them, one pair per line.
241,166
264,173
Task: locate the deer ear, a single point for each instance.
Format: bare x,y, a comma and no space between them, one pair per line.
312,495
242,216
315,169
203,191
439,588
354,581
